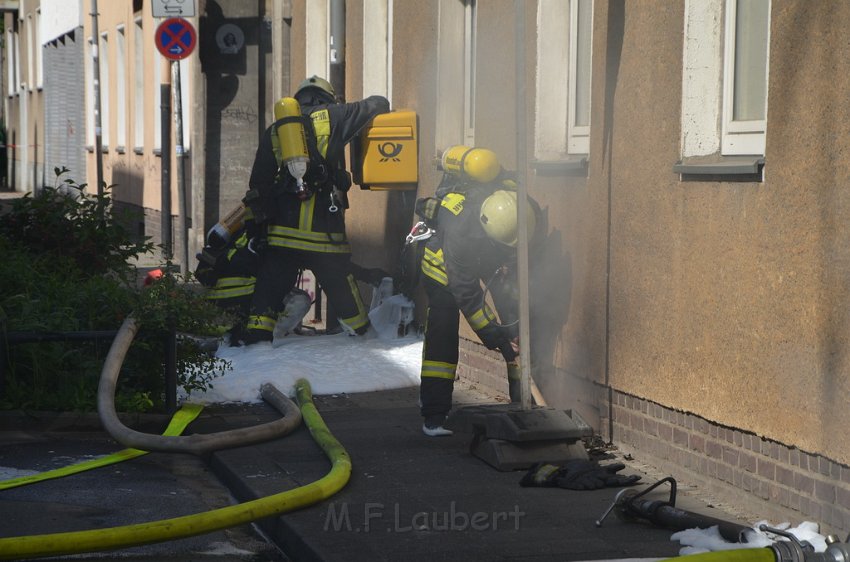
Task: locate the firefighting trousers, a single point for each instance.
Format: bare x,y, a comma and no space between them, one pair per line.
440,355
439,352
278,274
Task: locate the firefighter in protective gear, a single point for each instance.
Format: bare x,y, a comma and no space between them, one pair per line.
229,274
474,241
293,228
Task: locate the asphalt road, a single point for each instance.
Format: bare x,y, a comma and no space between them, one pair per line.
151,487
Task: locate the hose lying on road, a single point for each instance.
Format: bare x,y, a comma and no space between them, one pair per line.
178,423
35,546
740,555
197,444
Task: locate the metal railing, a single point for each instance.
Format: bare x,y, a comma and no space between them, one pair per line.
8,339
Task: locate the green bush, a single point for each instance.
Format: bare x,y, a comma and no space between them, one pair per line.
67,266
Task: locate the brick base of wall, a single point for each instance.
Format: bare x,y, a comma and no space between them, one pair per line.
777,482
482,368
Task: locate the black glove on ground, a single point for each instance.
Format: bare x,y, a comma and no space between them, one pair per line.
578,475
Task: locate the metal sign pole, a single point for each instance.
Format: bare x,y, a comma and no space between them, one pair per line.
98,132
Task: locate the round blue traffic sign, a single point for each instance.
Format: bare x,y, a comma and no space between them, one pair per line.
175,38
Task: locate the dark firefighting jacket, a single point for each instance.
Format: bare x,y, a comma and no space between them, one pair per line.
315,224
460,256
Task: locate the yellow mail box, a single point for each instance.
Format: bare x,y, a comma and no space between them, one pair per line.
389,152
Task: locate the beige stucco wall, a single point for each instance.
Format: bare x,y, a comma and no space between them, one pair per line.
126,170
719,298
726,298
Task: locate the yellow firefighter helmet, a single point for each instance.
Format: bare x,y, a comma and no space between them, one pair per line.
500,219
318,83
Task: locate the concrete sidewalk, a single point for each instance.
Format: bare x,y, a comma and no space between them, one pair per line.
410,497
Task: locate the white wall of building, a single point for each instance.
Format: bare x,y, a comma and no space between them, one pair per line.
58,17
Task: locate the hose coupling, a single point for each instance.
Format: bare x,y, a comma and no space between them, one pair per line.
795,550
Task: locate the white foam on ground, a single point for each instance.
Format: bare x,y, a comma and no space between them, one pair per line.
332,364
8,473
696,541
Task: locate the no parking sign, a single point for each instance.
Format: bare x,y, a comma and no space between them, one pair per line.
176,38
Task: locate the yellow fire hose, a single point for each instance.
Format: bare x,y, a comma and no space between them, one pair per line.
35,546
178,423
739,555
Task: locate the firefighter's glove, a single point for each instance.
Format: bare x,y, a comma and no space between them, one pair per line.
507,350
541,475
257,237
579,475
258,244
206,275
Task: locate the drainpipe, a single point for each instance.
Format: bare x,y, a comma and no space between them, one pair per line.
98,132
336,58
165,159
522,196
336,47
179,151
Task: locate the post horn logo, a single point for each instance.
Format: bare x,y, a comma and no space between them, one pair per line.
390,151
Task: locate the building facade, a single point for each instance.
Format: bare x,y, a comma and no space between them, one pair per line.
24,108
688,297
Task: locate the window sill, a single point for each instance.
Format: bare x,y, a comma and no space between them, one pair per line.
139,150
720,168
573,165
120,150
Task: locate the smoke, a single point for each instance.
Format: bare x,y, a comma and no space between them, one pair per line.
550,292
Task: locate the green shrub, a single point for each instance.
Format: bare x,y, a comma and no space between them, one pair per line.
67,266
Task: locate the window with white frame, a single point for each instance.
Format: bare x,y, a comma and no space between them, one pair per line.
16,41
564,40
470,54
318,32
11,63
88,70
745,76
724,82
103,52
30,32
39,52
581,30
139,85
185,113
121,88
157,100
377,41
453,83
